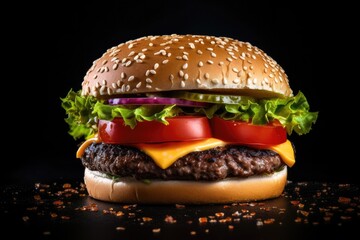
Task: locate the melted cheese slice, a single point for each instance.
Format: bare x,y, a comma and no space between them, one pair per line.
286,152
165,154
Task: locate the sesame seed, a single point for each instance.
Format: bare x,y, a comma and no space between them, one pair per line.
199,52
148,80
254,81
207,75
114,85
245,68
178,57
198,81
231,53
235,70
221,63
144,49
127,88
169,54
225,81
185,66
266,80
118,83
171,77
212,42
182,84
229,59
186,76
123,75
236,80
266,65
102,69
192,45
200,64
115,66
97,84
139,61
138,85
123,88
109,91
185,53
213,54
128,63
131,53
131,78
104,82
181,47
210,49
95,76
181,73
214,81
210,62
165,61
152,71
185,57
156,65
271,75
136,57
104,62
148,86
151,44
147,73
253,56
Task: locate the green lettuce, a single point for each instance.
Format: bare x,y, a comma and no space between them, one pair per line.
83,113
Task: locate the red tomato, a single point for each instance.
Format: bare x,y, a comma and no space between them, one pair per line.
179,129
247,133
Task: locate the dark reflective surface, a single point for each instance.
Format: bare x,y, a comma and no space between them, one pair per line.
63,210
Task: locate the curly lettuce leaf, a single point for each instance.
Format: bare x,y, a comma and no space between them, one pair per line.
293,112
84,111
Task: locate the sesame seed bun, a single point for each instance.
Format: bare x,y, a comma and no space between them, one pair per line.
130,190
185,62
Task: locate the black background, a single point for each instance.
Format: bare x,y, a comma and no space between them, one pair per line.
55,45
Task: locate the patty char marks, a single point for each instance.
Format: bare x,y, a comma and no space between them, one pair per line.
213,164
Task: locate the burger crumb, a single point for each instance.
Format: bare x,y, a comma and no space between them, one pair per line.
179,206
147,219
119,213
203,220
344,200
219,214
169,219
67,185
269,221
259,223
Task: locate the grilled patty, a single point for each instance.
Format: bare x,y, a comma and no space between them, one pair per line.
213,164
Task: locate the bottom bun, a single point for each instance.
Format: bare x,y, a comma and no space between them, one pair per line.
130,190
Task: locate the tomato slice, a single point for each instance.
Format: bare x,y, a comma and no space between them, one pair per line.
247,133
183,128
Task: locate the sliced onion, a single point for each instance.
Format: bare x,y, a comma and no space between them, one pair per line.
156,101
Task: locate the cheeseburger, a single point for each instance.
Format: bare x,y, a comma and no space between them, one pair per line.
186,119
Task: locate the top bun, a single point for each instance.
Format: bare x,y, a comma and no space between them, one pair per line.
185,62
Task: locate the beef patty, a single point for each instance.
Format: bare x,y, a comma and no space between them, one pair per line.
213,164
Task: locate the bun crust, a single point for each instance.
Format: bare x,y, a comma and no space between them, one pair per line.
129,190
185,62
